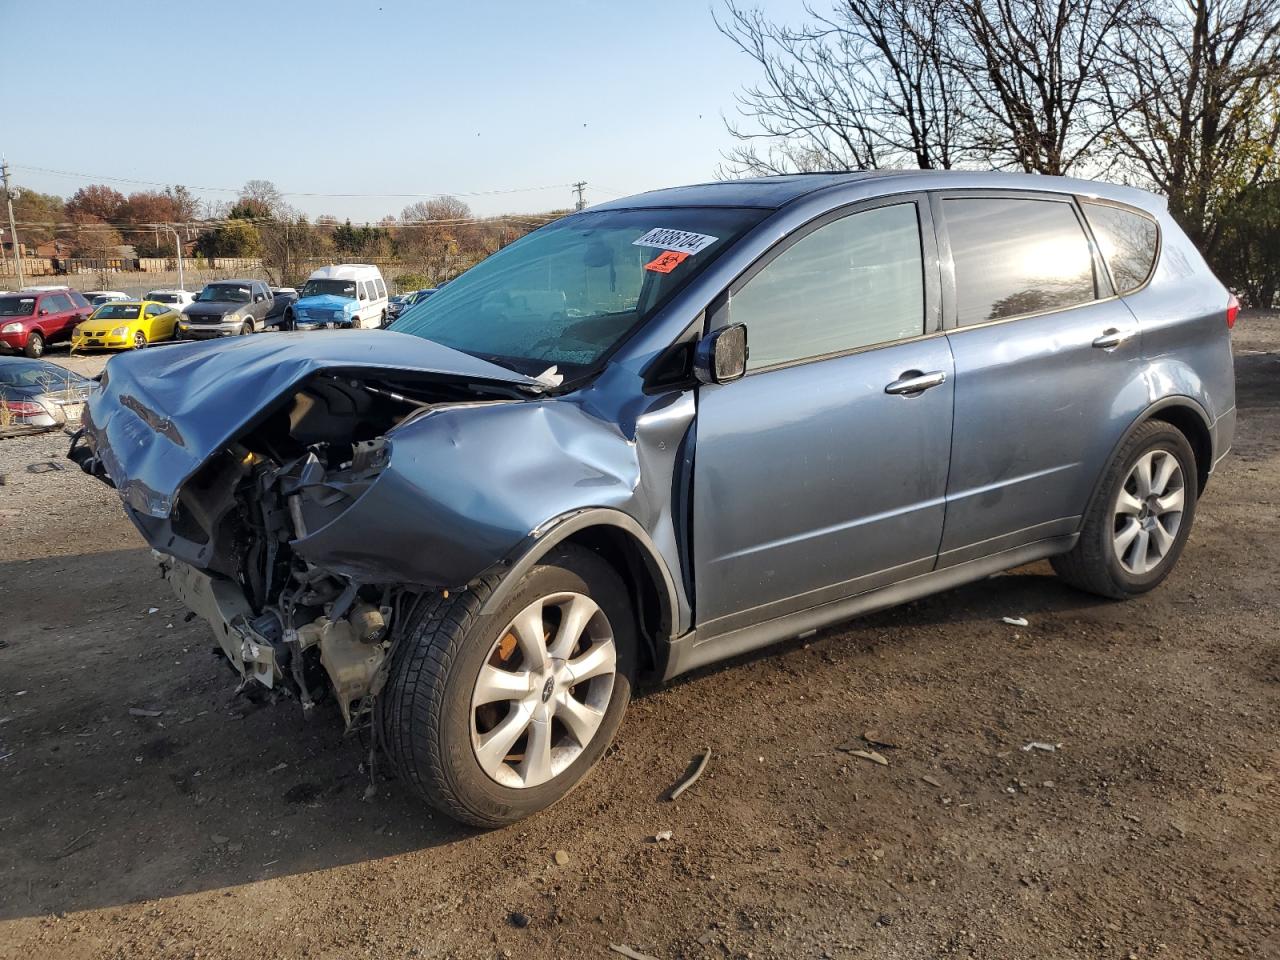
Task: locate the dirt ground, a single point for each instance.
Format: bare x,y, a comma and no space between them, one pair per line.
222,829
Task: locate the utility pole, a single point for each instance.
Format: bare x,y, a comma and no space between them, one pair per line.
579,187
177,245
13,227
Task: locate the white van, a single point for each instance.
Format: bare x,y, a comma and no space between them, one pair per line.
344,295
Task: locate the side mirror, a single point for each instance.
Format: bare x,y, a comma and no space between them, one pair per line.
258,298
44,312
721,356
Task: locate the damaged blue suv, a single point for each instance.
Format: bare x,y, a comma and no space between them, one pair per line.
667,430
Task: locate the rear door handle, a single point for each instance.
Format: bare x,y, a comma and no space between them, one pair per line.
915,382
1112,337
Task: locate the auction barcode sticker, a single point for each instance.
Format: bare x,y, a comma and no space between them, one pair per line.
680,240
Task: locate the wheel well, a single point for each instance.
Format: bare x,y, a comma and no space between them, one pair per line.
636,568
1192,426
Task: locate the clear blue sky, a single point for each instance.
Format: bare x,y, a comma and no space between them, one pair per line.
370,96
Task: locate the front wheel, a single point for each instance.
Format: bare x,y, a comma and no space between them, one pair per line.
139,340
497,718
1140,518
246,328
35,345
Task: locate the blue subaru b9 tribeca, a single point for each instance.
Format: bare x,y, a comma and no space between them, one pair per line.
668,430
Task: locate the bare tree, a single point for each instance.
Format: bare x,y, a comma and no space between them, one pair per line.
869,84
434,230
1035,70
262,196
1195,101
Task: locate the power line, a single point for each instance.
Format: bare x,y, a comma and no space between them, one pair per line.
94,178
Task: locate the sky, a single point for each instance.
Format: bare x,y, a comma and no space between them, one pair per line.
370,97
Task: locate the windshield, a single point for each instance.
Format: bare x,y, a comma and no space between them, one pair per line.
224,293
17,306
117,311
34,373
566,294
337,288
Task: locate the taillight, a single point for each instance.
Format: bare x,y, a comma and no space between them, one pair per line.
22,408
1233,311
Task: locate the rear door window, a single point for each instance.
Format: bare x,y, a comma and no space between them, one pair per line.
852,283
1016,256
1127,240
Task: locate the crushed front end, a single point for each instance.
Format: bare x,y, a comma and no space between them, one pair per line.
227,493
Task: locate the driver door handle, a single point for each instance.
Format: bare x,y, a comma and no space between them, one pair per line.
1112,337
915,382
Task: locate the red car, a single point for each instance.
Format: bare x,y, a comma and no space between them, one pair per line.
30,319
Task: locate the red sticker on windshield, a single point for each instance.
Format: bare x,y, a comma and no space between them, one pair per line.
666,261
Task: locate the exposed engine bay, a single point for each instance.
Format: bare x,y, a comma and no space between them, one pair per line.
284,622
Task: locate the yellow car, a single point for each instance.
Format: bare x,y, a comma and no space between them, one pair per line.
125,325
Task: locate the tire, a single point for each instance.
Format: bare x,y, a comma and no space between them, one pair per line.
431,726
287,323
246,328
139,340
1103,561
35,345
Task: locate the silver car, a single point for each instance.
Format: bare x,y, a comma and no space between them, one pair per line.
671,429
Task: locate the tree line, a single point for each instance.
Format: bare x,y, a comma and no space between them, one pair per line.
436,238
1177,96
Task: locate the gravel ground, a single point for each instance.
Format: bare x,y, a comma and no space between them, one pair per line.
223,828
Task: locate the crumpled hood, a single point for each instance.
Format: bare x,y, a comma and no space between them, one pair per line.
161,413
325,301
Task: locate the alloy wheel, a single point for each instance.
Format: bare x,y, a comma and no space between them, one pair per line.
542,692
1148,512
139,340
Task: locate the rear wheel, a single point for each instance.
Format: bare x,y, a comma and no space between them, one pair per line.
35,345
1140,519
495,718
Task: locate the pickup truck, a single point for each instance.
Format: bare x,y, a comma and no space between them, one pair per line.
226,308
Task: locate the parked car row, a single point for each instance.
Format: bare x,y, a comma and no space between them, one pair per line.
349,295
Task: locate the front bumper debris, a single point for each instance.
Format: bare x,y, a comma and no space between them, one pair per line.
352,649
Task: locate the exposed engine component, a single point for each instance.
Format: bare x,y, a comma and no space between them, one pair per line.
283,622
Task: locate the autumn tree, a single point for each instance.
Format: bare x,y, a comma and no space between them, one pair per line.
38,215
431,232
99,202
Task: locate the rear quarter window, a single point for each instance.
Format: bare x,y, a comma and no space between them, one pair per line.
1128,241
1015,256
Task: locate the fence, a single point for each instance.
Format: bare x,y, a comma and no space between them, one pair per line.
62,266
